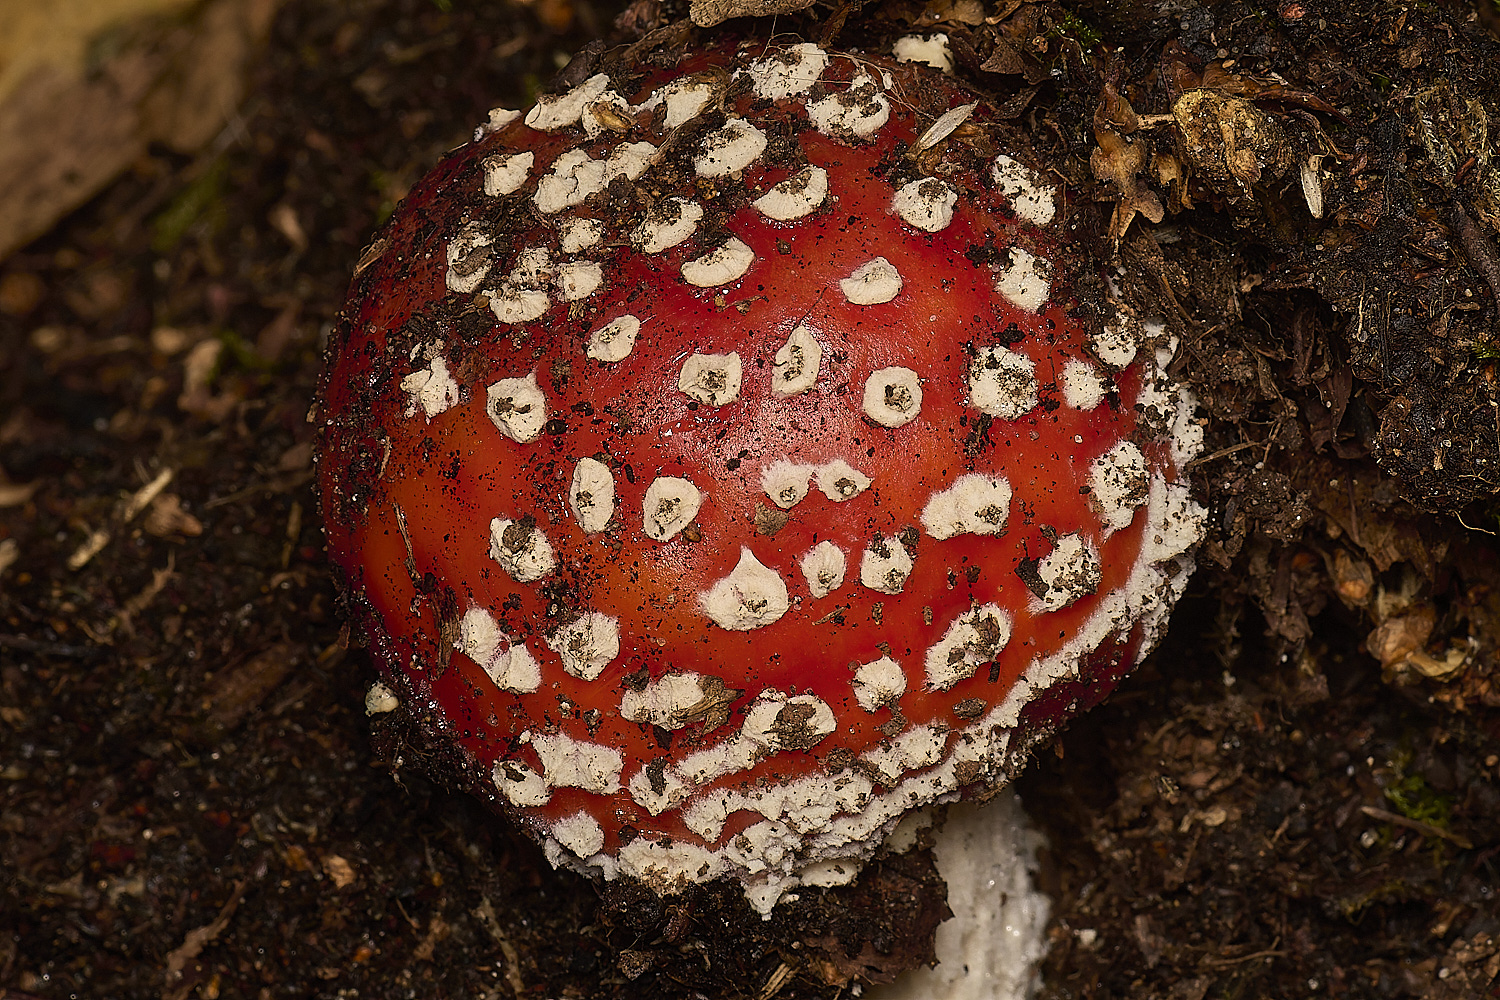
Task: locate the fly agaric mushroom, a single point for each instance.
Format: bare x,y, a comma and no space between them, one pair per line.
720,457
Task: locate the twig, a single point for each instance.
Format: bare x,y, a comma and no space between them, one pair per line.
778,979
199,938
1396,819
486,913
27,645
1471,527
1219,963
159,580
133,505
283,484
1477,248
1204,459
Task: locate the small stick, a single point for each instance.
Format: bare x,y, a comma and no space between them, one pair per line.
1396,819
134,504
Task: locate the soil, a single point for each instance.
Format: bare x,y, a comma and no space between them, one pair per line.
1297,795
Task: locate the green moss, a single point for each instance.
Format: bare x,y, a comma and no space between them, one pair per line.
1411,796
201,202
381,182
1489,348
1074,27
238,353
1415,799
1394,890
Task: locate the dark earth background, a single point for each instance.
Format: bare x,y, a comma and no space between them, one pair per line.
1297,796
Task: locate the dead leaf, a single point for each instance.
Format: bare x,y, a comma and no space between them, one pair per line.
1004,59
283,219
200,937
169,340
165,517
970,12
1396,638
20,292
198,369
296,458
707,13
277,334
339,870
107,82
1352,578
235,692
15,494
1263,90
437,930
1120,160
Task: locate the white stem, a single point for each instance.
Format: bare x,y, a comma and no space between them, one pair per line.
992,946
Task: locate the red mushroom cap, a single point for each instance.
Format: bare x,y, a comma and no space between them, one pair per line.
718,456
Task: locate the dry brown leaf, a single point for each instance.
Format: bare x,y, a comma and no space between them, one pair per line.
75,112
1396,638
437,930
237,691
200,937
1121,160
284,220
1004,59
1352,578
707,13
165,517
339,870
198,369
970,12
15,494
